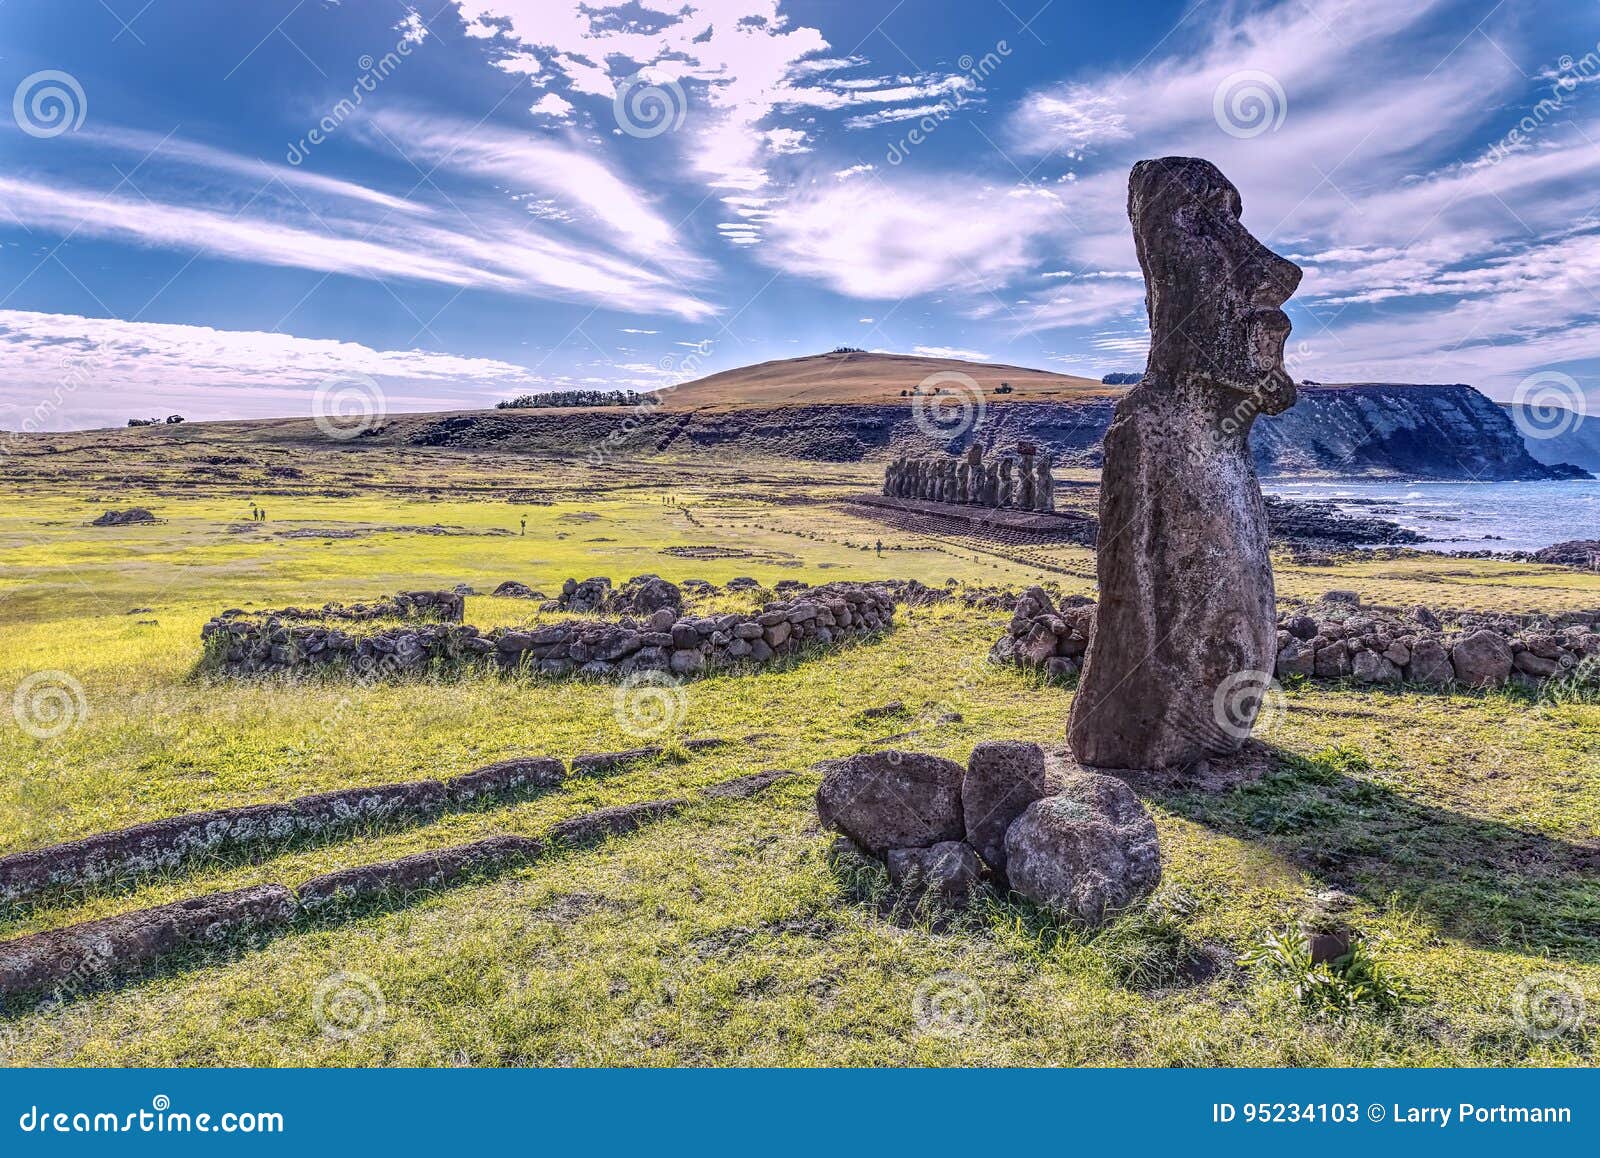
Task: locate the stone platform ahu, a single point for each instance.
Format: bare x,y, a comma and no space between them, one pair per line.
1186,632
1022,481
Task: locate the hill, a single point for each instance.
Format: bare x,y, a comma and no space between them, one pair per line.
863,377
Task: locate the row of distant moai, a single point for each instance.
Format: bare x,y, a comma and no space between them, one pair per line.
1022,481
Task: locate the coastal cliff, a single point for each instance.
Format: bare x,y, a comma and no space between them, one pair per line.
1371,430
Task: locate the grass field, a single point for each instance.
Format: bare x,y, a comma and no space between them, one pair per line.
1466,826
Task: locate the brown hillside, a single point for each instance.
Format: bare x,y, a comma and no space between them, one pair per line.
865,378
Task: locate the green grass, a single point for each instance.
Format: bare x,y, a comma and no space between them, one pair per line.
1466,826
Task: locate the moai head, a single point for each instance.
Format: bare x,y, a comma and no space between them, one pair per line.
974,455
1212,290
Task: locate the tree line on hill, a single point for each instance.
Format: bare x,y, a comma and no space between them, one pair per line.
575,398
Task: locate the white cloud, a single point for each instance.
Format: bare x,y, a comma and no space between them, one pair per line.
616,213
412,29
741,65
888,240
553,106
951,352
496,256
64,370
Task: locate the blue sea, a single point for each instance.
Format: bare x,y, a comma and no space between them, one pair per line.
1466,516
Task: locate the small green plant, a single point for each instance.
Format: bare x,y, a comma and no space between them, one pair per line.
1581,685
1343,760
1343,985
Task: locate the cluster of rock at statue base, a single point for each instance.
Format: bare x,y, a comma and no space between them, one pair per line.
1078,844
665,642
1339,638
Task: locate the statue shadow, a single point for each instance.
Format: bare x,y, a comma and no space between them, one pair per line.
1487,882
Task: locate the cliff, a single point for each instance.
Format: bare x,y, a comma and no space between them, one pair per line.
1370,429
1565,436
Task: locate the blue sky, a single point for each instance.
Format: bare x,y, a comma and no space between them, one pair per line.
218,208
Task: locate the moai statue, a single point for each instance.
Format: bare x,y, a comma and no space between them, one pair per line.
1184,646
948,467
1004,496
1025,477
889,477
974,489
991,484
1044,489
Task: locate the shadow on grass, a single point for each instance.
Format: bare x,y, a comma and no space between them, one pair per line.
1486,882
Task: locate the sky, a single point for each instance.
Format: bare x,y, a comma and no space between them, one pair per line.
248,209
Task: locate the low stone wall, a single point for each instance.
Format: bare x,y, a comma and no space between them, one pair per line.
1340,638
428,606
667,641
125,854
52,965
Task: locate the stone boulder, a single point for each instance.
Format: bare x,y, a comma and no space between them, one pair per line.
885,800
1430,664
1369,667
1086,853
1481,659
948,871
127,518
511,589
645,595
1003,778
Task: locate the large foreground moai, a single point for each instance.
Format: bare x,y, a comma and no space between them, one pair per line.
1185,634
1023,480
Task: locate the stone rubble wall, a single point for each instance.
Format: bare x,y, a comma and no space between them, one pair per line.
424,606
1340,638
667,641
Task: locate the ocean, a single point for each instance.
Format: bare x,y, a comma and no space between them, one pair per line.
1466,516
